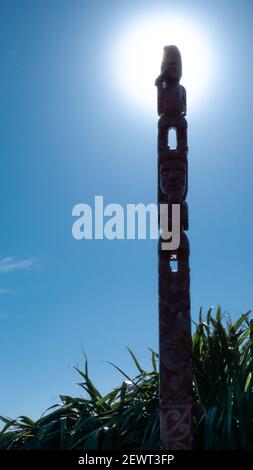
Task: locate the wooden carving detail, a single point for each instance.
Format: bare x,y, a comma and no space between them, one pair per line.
174,284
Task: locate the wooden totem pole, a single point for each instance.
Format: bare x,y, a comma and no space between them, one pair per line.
174,284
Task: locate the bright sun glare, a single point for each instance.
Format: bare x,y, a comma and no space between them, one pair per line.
139,55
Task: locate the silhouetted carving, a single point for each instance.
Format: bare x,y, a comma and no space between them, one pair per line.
174,284
172,62
178,123
171,100
173,180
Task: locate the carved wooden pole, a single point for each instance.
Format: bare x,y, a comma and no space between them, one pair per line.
174,285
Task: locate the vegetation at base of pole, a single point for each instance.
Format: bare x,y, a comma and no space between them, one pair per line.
128,416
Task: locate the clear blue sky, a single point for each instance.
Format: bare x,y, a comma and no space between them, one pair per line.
67,135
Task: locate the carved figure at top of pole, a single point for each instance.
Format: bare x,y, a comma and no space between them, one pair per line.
172,63
171,101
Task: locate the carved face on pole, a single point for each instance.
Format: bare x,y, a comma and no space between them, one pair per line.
171,63
173,180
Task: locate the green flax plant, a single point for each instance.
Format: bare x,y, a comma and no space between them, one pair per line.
128,416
